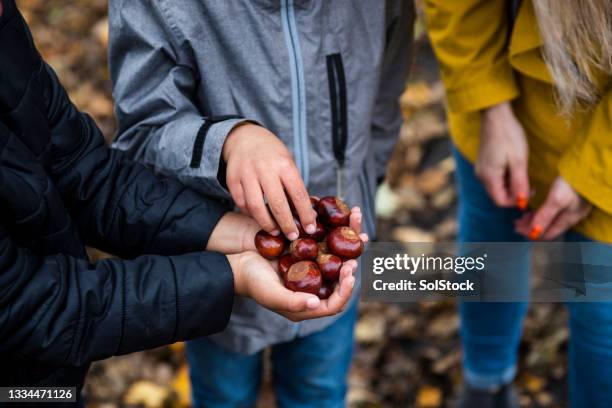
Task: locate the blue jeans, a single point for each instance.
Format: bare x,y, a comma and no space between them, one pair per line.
491,332
307,372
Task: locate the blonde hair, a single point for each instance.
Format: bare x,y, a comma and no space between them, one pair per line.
577,37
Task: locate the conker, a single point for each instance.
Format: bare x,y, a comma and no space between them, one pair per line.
333,211
323,248
326,290
319,234
269,246
303,249
330,266
284,263
304,276
345,243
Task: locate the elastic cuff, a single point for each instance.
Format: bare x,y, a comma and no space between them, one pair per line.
490,381
212,163
205,295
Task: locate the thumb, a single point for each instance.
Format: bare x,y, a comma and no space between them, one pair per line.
283,299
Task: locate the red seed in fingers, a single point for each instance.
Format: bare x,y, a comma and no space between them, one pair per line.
333,211
330,266
269,246
345,243
284,263
319,234
304,276
303,249
326,290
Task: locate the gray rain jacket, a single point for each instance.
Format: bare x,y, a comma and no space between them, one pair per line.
324,76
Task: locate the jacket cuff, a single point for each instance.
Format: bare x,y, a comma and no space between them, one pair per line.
210,164
204,296
489,88
174,299
586,174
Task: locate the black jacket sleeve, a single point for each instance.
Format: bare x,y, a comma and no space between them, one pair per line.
118,205
61,310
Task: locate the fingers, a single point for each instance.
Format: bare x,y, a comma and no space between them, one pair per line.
494,180
257,207
284,300
334,304
342,294
559,225
355,222
519,183
294,185
355,219
522,225
277,201
566,220
546,214
348,268
237,193
331,306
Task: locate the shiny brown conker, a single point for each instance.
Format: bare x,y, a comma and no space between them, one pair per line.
345,243
304,276
284,263
269,246
333,211
330,266
319,234
303,249
326,290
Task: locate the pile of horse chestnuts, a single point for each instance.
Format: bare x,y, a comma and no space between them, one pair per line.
312,262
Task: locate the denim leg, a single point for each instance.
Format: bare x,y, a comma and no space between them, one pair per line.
311,371
221,378
590,350
490,331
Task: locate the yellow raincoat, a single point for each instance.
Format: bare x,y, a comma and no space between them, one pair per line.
485,61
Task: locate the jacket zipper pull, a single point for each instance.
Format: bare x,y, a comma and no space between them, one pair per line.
340,177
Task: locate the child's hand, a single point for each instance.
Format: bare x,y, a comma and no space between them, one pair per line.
562,209
256,278
260,166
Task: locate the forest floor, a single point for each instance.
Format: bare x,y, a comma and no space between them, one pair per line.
407,355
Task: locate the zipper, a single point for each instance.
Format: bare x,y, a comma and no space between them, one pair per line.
339,114
298,89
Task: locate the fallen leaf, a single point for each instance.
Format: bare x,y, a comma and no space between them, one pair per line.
429,397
